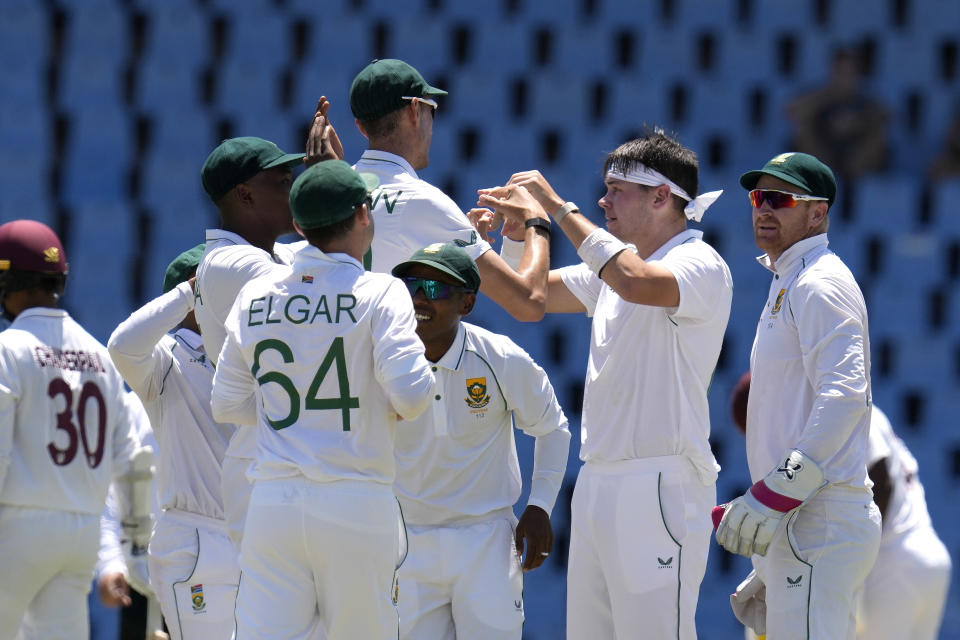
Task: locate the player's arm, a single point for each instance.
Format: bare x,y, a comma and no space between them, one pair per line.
831,332
112,586
537,412
400,365
134,345
633,278
234,395
521,292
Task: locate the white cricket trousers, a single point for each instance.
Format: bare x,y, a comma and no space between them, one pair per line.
235,488
462,582
194,570
318,552
46,566
641,532
816,564
905,593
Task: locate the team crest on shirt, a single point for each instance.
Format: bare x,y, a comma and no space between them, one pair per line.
196,598
477,397
778,303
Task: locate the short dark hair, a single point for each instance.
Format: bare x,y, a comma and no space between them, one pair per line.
383,126
320,236
659,151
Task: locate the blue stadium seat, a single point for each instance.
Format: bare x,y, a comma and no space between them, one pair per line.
177,33
886,204
97,162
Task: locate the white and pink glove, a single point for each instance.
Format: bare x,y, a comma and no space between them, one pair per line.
746,525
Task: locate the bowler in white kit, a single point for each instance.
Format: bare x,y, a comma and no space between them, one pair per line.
660,299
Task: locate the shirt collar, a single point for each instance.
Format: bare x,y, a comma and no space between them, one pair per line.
190,338
684,236
48,312
793,253
216,238
375,156
454,355
308,254
219,237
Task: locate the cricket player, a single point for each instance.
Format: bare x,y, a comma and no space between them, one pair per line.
905,594
809,522
194,568
65,431
322,358
458,476
248,179
394,106
660,300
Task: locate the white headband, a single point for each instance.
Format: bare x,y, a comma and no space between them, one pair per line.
642,174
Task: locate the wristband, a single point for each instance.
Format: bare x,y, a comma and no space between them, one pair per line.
565,208
539,223
598,248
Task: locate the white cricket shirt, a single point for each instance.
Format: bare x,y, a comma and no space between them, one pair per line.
650,367
458,460
907,509
64,427
320,358
173,376
229,262
410,214
810,367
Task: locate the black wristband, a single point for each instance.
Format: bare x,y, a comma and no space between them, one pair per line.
540,223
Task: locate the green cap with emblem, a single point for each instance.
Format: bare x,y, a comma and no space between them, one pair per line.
382,85
238,159
448,258
799,169
328,192
183,267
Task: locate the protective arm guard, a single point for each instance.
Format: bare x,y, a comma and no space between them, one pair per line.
137,486
750,521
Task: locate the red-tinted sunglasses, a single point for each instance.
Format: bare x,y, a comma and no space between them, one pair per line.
778,199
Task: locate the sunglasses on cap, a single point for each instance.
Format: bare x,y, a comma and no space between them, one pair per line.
779,199
430,102
432,289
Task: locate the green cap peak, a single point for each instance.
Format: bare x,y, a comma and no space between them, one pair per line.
238,159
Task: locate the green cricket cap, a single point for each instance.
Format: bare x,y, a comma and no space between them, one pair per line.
328,192
238,159
448,258
799,169
183,267
382,85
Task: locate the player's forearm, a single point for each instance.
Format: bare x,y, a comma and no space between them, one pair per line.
550,453
133,344
411,393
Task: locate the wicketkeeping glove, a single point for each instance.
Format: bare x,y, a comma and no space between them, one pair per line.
749,603
750,521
